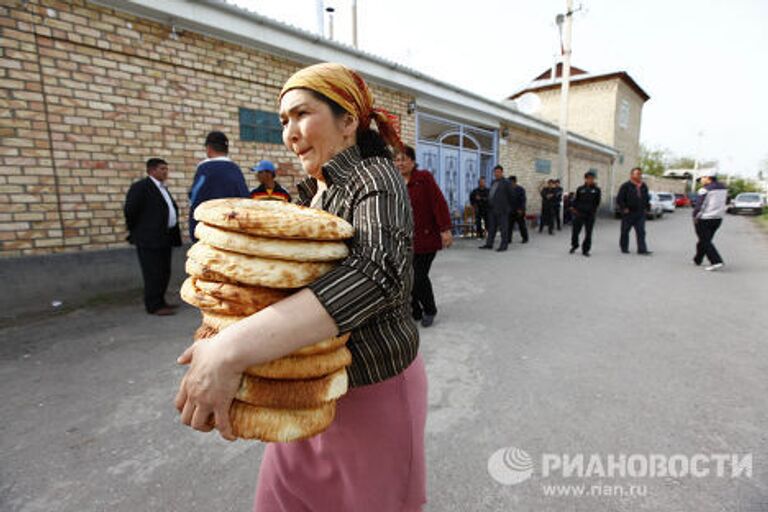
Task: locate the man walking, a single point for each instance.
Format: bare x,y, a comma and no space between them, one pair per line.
217,176
708,214
268,188
633,202
558,190
151,216
478,198
517,216
548,200
584,209
500,205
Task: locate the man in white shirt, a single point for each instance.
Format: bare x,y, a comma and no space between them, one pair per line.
151,216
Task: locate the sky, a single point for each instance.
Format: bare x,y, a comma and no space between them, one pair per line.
698,60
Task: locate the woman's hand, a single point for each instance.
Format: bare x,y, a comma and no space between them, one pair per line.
207,390
447,238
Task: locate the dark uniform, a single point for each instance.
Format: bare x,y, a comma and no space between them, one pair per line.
548,201
478,198
584,209
517,215
558,200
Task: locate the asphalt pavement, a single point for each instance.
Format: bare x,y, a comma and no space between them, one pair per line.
557,355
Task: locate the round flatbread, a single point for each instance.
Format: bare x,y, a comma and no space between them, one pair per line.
292,394
303,367
282,249
255,270
219,322
205,302
279,425
196,269
276,219
231,292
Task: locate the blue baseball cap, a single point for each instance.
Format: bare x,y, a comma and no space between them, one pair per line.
264,165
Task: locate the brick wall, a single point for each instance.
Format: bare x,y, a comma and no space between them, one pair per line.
88,94
519,153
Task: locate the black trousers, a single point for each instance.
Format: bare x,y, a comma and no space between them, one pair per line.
588,222
481,222
518,219
705,231
547,218
156,269
422,298
633,220
557,217
498,221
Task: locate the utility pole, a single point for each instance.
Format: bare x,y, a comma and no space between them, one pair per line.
565,48
330,11
354,23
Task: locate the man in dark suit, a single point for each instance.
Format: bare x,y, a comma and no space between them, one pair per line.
151,216
499,207
517,216
634,202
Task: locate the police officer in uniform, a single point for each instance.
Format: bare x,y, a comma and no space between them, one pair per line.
584,209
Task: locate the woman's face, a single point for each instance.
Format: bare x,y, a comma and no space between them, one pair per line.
404,164
312,132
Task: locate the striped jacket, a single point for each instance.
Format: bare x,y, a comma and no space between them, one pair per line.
368,293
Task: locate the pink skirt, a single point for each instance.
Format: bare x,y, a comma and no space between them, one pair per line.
371,458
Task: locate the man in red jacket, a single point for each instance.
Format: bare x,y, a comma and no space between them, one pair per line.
431,232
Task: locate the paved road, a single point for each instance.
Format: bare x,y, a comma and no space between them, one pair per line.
534,348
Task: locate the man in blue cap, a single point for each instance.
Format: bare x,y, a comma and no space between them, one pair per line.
269,188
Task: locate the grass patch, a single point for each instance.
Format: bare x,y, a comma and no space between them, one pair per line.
763,219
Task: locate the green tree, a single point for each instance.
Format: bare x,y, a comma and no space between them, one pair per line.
653,161
683,162
738,185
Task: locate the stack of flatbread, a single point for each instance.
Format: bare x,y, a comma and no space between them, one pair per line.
251,254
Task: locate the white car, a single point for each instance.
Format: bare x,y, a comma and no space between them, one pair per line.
667,200
657,210
749,202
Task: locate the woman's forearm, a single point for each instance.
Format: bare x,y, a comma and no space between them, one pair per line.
276,331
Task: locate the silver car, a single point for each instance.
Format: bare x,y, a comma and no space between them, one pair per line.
656,210
667,200
749,202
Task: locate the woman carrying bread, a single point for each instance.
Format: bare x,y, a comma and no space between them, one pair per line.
372,456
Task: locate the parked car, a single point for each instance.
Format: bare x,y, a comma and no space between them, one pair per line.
749,202
682,200
657,209
667,200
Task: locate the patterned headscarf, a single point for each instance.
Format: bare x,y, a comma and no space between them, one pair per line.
349,90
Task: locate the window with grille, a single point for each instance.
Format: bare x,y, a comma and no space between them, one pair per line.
260,126
543,166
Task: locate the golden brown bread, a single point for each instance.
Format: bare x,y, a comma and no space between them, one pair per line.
191,294
277,248
255,270
303,367
292,394
256,295
279,425
273,219
196,269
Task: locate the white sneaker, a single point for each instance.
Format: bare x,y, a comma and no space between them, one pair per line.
716,266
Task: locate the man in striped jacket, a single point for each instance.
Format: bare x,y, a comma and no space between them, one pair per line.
708,214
